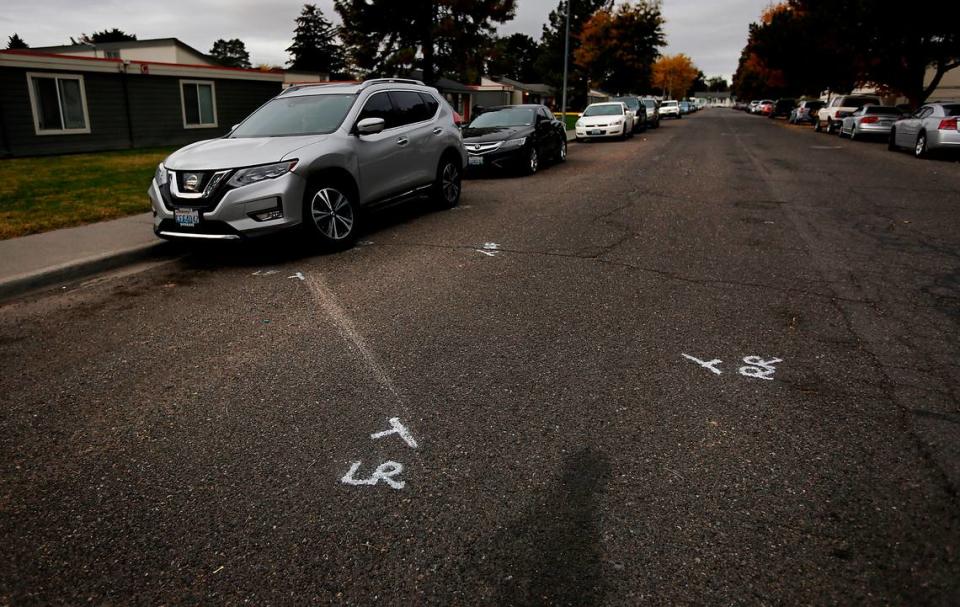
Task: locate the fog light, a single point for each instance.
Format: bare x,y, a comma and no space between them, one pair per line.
269,215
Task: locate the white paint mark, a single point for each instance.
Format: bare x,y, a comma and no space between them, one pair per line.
218,569
327,302
298,275
264,272
365,243
397,428
490,246
759,368
487,253
710,364
384,472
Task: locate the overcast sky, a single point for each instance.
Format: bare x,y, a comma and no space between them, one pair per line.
710,32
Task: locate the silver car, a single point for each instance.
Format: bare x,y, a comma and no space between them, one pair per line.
313,157
870,120
933,127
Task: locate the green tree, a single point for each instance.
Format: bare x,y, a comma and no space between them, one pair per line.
16,42
717,84
230,53
514,57
700,83
316,46
550,62
110,35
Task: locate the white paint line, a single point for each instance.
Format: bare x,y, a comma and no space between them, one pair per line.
327,302
710,365
298,275
491,246
384,472
759,368
487,253
397,428
364,243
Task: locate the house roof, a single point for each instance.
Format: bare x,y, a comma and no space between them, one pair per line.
443,84
112,46
537,87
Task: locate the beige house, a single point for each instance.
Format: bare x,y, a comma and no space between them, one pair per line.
949,87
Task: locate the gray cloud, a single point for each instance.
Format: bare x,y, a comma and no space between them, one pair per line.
712,33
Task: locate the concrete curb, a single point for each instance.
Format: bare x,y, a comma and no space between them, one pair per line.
81,268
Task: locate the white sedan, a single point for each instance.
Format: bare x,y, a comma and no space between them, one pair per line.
603,120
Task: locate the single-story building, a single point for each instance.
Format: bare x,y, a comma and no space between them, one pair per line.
53,103
715,99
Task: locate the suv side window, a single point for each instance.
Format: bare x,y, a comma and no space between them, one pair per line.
409,107
379,106
431,103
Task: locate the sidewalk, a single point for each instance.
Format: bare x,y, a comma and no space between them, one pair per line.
38,260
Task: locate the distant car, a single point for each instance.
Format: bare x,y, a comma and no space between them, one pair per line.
603,121
670,109
870,120
752,108
684,107
805,112
653,112
827,117
514,137
782,107
935,126
636,109
765,107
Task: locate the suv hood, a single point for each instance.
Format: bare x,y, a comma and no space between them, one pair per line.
485,134
215,154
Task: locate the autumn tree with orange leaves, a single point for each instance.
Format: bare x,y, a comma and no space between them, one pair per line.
618,47
674,75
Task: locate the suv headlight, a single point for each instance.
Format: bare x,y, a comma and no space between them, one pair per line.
513,143
259,173
161,175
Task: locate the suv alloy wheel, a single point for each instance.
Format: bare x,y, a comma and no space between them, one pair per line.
330,216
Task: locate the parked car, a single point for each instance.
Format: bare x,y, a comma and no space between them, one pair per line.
935,126
604,120
782,107
670,109
313,157
870,120
805,111
827,118
685,107
752,108
765,107
637,110
519,137
653,112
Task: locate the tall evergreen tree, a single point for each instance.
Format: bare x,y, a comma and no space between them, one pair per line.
550,62
111,35
230,53
316,46
16,42
514,56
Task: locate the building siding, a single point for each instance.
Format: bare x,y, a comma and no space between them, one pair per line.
155,112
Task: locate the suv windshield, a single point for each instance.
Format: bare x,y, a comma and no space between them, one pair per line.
604,110
506,117
631,102
305,115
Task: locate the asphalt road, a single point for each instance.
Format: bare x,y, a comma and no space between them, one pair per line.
180,433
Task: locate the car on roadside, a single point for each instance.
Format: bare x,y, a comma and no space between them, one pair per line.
514,137
870,120
637,110
765,107
685,107
932,128
653,112
830,116
314,157
782,107
805,111
670,109
604,121
752,107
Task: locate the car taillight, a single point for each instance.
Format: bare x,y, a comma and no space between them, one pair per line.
869,119
948,124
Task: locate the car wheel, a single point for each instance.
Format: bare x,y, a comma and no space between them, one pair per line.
562,154
816,126
447,187
533,162
330,216
920,149
892,141
853,133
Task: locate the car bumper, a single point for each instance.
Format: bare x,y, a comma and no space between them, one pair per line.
498,160
232,218
873,129
600,132
944,140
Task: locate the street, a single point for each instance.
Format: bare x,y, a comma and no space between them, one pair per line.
714,364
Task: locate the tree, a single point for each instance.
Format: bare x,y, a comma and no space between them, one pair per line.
699,83
16,42
617,48
674,75
230,53
386,37
717,84
110,35
514,57
316,47
550,62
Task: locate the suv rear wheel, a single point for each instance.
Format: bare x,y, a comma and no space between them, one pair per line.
330,215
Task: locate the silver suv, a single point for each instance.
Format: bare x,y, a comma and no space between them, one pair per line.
314,156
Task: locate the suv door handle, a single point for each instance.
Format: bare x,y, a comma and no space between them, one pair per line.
402,141
437,130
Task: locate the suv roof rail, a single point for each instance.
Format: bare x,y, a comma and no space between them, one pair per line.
373,81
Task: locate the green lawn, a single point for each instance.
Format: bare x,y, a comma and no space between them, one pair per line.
40,194
571,119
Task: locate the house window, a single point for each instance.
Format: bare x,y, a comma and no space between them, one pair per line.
59,103
199,104
112,54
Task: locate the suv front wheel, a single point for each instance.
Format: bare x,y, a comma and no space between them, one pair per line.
330,216
447,187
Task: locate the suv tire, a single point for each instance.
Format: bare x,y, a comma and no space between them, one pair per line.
449,182
330,215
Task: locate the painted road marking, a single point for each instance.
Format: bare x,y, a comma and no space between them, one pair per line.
298,275
756,367
710,364
384,472
397,428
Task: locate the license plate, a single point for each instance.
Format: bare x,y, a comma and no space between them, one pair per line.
475,160
595,132
187,218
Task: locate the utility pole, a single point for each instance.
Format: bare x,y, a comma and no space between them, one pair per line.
566,61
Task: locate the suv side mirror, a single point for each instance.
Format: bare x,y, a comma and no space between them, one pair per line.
370,126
